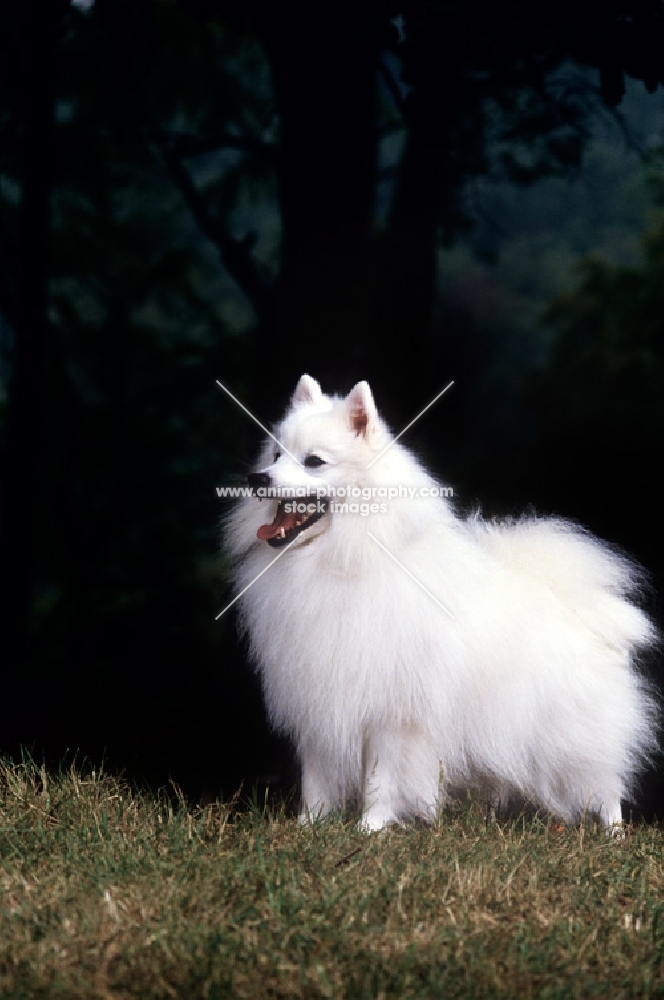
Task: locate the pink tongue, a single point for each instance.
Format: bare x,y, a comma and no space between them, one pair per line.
282,520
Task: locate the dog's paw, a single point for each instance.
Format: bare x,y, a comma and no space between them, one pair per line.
616,831
373,820
310,816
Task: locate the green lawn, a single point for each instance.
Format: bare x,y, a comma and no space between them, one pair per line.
108,893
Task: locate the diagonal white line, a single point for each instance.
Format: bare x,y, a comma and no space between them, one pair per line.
278,556
414,420
256,421
408,573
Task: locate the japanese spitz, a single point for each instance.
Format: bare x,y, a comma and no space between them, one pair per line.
410,653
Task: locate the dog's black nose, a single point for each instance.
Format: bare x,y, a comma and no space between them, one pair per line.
258,480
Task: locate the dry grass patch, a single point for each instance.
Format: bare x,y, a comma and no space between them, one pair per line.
107,892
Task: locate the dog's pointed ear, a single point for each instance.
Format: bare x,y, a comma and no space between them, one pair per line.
307,390
361,409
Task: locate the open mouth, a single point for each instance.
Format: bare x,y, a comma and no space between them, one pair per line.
287,525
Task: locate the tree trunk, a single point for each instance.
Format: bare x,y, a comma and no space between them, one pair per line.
324,68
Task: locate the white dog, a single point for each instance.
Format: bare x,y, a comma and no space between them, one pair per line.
410,653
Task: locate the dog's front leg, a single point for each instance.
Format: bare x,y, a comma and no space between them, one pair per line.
381,785
316,796
403,776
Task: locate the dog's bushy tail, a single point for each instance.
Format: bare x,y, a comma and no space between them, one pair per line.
600,585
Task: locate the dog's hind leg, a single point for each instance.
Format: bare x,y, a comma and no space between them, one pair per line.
610,816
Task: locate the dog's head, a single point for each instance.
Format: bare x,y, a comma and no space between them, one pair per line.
322,442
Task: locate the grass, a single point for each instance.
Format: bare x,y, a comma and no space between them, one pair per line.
106,892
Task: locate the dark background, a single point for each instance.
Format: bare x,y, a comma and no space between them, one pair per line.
406,192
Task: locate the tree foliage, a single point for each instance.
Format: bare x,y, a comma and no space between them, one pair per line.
595,407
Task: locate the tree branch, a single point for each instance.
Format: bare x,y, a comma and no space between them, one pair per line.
393,87
235,253
185,144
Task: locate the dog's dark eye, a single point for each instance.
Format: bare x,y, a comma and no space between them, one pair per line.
313,461
277,456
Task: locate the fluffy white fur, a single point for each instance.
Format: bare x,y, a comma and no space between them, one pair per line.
527,687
